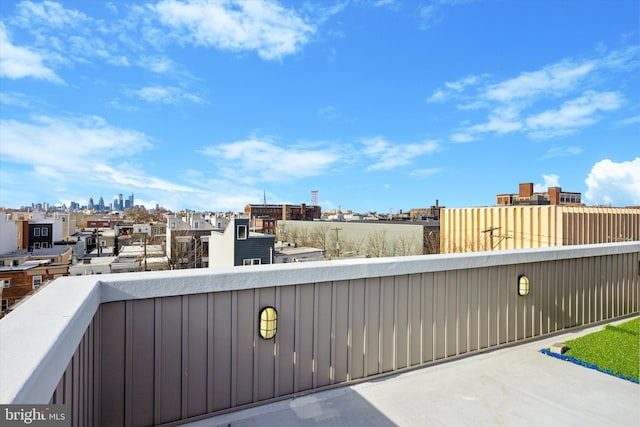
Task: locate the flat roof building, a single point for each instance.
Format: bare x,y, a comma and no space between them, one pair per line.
526,196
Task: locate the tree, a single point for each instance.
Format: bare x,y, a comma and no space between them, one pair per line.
187,250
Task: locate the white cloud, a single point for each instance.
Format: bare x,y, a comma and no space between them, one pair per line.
551,180
19,62
629,121
575,113
555,100
263,26
166,95
85,154
461,84
497,124
552,80
563,151
129,176
390,156
462,138
453,89
614,183
257,160
60,142
50,14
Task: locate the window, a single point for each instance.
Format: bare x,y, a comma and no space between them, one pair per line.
36,231
36,245
251,261
242,232
37,281
45,231
5,304
5,283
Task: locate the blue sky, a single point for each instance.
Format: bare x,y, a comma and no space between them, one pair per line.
377,105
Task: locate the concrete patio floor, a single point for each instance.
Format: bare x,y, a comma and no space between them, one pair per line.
515,386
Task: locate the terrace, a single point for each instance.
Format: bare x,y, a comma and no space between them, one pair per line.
163,348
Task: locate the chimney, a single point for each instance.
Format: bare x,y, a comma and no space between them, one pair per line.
526,190
554,195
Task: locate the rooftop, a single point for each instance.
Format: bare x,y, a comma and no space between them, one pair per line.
359,341
507,387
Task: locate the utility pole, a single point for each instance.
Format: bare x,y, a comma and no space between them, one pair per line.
145,252
491,236
337,241
490,231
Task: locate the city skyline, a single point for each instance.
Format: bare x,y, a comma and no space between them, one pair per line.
379,106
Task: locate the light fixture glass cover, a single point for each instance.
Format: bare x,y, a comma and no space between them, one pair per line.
523,285
268,322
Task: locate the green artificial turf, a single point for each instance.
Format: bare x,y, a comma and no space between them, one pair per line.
615,348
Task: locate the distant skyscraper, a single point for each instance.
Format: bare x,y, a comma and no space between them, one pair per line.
90,205
120,202
101,204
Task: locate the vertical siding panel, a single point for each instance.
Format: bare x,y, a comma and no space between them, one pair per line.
285,340
462,280
75,402
357,315
342,309
265,359
451,316
401,320
373,326
609,287
483,308
210,352
170,379
474,309
387,339
599,288
591,289
536,312
304,336
582,290
508,282
128,338
503,302
415,335
142,368
196,369
494,306
224,308
543,302
90,373
112,369
245,337
428,320
323,332
440,315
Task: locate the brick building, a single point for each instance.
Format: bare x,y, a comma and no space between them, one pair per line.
526,196
283,212
18,281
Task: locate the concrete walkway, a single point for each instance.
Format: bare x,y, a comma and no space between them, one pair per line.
516,386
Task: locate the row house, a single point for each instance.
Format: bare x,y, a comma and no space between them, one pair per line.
18,281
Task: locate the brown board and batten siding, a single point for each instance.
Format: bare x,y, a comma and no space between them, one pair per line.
161,360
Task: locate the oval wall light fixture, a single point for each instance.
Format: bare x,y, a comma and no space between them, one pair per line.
523,285
268,323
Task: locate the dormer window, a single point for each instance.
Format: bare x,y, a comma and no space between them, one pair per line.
242,232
